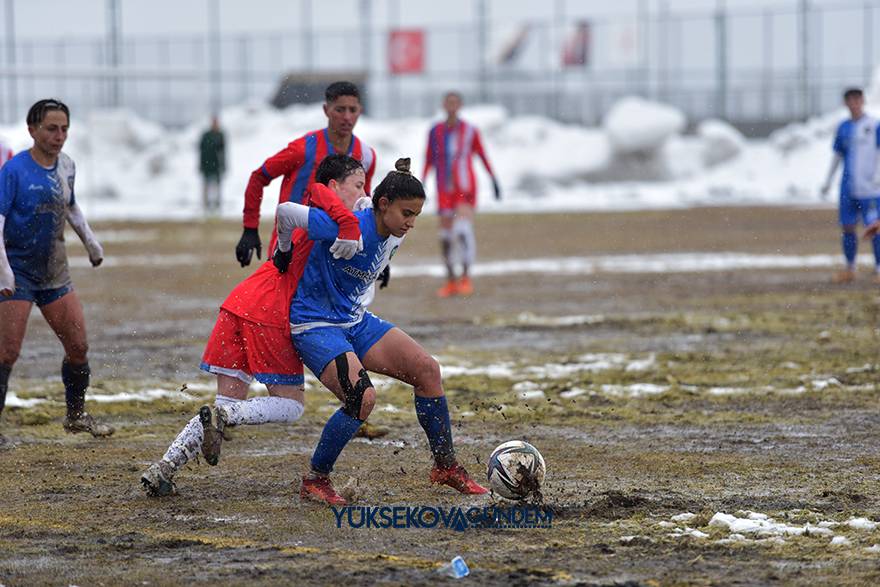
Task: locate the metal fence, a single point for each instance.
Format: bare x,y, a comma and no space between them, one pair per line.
755,67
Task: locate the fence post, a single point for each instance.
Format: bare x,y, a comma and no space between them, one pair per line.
721,59
803,9
113,57
12,83
868,41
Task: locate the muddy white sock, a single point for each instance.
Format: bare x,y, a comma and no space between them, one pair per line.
263,410
187,444
463,229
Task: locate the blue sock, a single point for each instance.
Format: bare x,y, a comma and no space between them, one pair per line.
876,242
433,415
340,428
850,247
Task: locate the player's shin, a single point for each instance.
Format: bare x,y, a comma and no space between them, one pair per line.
76,381
340,428
263,410
433,415
186,446
5,370
876,244
850,249
463,228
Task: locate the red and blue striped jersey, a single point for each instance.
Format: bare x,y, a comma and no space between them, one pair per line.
297,163
450,151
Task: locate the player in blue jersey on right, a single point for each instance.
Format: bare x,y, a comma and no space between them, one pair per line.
857,145
339,340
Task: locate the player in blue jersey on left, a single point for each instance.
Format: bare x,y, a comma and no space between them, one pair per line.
339,340
36,200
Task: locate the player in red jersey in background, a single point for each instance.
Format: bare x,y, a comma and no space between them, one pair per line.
298,162
452,145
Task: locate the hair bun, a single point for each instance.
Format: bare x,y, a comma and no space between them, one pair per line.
402,165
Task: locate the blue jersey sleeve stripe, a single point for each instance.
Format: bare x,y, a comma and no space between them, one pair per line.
265,172
305,172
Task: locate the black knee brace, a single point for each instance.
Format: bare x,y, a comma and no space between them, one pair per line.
353,394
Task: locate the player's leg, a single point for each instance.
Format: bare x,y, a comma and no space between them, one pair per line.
157,480
328,353
446,212
274,362
63,312
463,230
13,325
224,357
395,354
870,213
848,217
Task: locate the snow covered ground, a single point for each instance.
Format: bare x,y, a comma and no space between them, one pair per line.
129,168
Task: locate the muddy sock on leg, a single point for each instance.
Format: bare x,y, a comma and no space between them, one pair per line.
5,370
433,415
340,428
76,381
187,444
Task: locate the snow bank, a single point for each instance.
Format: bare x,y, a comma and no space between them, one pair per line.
638,159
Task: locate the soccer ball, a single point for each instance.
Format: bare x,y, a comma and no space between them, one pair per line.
516,470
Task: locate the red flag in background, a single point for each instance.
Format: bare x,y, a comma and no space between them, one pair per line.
576,49
406,51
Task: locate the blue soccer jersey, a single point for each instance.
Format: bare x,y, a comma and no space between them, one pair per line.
336,292
857,142
35,201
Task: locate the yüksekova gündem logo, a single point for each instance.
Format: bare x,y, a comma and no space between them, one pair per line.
452,518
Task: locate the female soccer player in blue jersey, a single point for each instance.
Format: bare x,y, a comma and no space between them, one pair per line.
36,199
340,341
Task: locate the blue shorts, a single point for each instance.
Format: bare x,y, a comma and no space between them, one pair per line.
319,346
852,208
40,297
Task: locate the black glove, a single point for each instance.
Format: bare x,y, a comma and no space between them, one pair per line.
281,260
244,250
384,277
497,189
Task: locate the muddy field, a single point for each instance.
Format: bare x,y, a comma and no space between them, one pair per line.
746,398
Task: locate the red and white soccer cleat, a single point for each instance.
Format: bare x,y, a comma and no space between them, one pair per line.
458,478
464,287
448,290
320,489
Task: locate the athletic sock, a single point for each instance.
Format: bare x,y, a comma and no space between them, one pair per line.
340,428
876,243
187,444
850,248
433,415
464,232
76,381
5,370
263,410
446,251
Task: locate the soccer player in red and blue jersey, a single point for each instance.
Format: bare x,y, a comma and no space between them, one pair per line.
452,145
251,338
298,162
